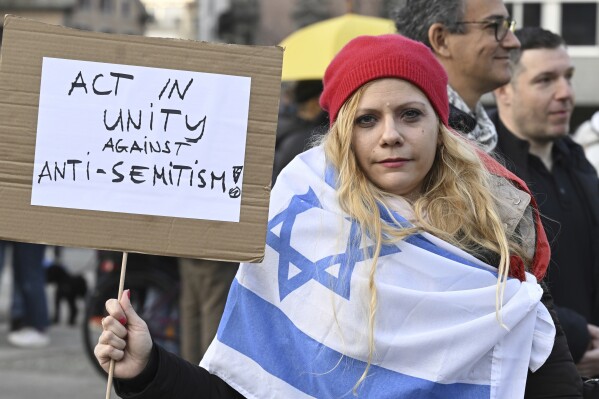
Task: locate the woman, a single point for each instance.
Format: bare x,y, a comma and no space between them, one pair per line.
396,264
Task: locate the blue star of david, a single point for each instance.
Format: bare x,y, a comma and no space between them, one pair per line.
316,270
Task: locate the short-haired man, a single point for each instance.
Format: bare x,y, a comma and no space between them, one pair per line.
533,122
472,39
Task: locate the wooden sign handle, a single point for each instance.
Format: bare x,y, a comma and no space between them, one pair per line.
121,287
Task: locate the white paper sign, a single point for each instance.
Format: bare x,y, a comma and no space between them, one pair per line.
140,140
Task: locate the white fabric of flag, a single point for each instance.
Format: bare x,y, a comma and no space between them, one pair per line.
296,325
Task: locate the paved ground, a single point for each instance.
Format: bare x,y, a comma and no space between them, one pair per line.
59,371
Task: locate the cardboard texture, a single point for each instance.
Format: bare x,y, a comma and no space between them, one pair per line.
26,42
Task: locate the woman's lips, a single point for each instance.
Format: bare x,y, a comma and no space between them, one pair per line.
394,162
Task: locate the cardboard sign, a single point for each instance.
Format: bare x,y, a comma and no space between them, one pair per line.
140,140
136,144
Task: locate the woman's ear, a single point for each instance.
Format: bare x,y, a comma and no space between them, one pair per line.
437,36
439,136
440,143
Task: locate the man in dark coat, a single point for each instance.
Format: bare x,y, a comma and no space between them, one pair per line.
532,122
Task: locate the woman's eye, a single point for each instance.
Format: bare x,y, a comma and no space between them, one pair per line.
365,120
411,114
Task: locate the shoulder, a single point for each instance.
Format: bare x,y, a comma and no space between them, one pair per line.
575,154
512,203
571,145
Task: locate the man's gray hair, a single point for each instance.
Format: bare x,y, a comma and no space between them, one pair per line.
413,18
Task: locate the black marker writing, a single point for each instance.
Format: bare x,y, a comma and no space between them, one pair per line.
79,82
59,171
175,86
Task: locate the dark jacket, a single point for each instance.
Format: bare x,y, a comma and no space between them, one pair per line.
169,376
514,153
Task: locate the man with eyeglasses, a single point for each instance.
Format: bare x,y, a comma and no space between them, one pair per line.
472,39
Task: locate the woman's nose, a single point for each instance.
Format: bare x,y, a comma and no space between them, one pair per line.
391,133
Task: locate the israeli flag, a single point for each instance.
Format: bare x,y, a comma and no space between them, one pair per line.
296,325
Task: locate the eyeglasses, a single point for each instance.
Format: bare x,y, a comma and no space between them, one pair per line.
501,26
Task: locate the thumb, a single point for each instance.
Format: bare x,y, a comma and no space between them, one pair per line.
130,313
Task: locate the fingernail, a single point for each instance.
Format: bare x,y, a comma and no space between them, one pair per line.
123,321
129,294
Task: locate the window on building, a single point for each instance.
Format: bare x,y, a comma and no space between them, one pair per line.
526,14
107,6
579,23
510,9
531,14
126,8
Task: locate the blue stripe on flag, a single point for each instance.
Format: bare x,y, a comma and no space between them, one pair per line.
330,176
420,241
250,323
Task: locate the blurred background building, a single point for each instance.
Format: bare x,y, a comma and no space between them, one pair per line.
110,16
267,22
172,18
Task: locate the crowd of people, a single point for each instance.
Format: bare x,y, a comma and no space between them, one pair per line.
440,248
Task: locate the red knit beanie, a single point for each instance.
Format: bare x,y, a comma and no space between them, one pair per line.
367,58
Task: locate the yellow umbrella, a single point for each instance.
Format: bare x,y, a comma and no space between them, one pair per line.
308,51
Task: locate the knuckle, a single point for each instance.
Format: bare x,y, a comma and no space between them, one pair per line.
104,338
101,352
106,322
119,344
110,339
112,305
116,354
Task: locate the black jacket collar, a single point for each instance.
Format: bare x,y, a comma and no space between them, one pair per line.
511,150
513,153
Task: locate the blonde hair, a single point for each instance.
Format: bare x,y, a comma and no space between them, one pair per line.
456,205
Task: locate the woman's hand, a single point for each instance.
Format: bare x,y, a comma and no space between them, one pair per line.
125,338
